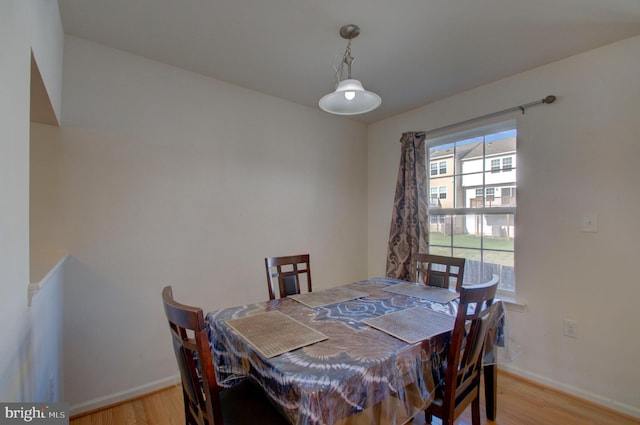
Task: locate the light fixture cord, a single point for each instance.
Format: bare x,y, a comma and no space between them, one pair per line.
347,59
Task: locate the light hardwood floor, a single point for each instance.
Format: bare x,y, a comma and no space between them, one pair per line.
520,402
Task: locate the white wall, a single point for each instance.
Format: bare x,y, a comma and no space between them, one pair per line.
14,195
45,324
47,45
577,155
29,353
162,177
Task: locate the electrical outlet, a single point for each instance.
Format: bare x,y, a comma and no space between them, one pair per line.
570,328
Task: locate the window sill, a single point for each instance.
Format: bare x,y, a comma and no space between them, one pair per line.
512,302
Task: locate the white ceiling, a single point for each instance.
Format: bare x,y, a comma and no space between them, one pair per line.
410,52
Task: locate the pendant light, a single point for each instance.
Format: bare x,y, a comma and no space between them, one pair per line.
349,98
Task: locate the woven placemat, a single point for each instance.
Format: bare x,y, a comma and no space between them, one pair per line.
413,324
430,293
328,296
274,333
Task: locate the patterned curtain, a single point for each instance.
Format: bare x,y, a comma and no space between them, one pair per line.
408,233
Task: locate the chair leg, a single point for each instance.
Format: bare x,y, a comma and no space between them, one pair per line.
475,411
490,390
428,418
188,414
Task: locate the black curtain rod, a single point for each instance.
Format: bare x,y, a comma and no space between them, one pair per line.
521,108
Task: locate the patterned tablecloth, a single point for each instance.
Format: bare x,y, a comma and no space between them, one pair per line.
359,374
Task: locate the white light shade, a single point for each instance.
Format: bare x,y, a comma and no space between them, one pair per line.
350,98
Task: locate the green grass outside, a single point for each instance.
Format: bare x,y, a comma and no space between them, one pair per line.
468,246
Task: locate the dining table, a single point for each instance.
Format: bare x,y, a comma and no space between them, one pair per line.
368,352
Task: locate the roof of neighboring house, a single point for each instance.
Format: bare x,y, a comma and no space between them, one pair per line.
448,151
495,147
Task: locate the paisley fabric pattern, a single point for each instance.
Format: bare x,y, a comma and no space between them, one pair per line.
408,233
356,368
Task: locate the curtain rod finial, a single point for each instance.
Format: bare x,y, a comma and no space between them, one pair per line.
549,99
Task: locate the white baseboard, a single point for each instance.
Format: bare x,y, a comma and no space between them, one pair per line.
575,391
120,396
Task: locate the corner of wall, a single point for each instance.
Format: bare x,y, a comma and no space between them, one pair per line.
47,40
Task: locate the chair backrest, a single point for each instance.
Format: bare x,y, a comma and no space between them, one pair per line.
191,346
464,358
286,273
438,270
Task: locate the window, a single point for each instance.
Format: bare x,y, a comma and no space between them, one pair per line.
507,164
508,196
508,191
436,219
434,168
439,192
477,220
438,167
495,165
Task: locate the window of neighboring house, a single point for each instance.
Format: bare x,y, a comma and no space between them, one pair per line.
434,168
478,223
438,168
507,195
436,220
507,164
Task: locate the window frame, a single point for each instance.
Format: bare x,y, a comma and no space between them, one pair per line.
484,210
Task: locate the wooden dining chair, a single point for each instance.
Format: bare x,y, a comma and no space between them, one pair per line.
464,357
438,270
286,273
205,403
